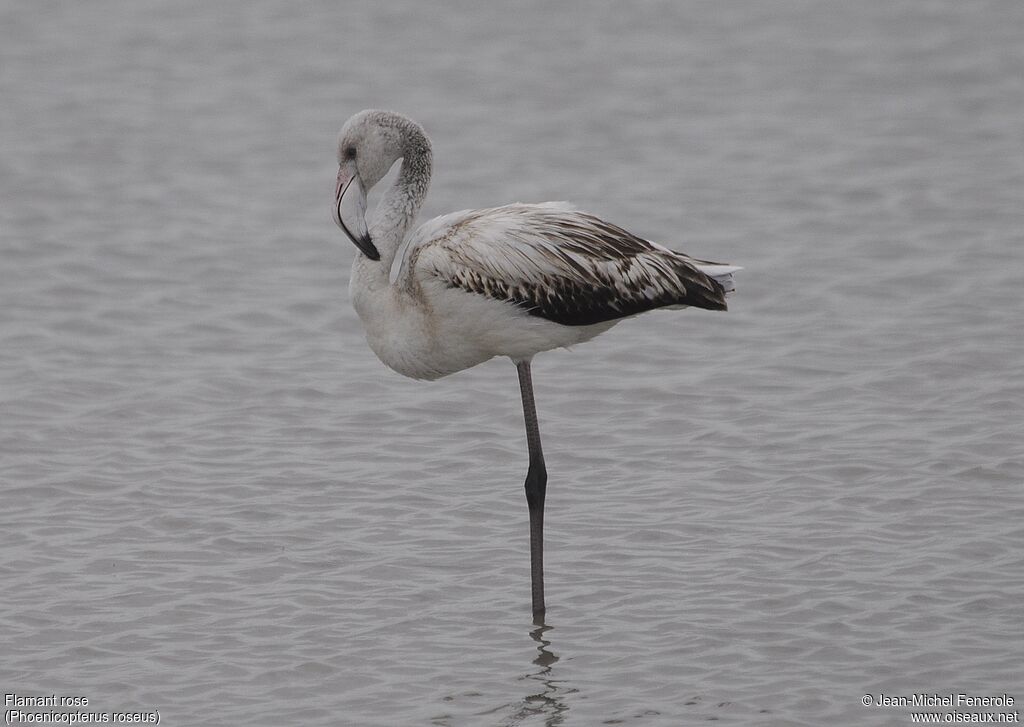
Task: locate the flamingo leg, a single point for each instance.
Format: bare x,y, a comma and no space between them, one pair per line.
536,487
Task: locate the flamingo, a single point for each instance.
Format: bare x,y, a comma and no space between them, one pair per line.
511,281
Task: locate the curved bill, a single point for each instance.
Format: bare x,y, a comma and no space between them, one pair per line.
350,211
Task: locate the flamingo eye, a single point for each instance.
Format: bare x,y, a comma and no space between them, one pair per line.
349,152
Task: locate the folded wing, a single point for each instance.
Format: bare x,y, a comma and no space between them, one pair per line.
560,264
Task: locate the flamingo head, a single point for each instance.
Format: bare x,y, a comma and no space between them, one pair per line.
369,144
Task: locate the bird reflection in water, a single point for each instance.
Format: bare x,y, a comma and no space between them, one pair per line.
549,702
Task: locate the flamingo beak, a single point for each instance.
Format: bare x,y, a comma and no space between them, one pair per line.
350,210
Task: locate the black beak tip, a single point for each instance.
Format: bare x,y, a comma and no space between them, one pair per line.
368,248
364,243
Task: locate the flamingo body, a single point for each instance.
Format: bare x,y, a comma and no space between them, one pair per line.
521,279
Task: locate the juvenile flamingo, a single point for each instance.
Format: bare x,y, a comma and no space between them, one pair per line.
506,281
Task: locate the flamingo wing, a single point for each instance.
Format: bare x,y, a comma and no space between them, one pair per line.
560,264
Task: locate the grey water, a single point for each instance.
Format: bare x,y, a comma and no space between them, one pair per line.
216,503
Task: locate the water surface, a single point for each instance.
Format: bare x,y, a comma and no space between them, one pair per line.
218,504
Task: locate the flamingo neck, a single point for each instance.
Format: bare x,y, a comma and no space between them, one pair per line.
371,279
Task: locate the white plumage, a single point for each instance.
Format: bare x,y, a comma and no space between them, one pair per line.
507,281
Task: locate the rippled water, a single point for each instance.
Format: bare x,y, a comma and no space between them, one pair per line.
218,504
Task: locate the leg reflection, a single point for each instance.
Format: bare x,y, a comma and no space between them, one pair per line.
549,702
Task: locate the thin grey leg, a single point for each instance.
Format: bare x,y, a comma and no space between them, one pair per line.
536,487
